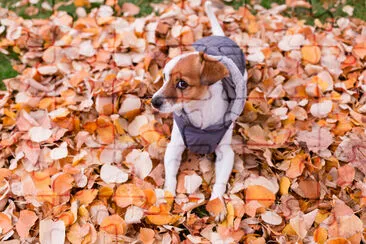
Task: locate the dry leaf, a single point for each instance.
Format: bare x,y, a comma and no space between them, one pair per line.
319,139
114,225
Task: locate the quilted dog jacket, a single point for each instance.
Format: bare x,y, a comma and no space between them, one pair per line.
225,50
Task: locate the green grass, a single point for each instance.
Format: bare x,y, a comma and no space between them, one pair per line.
318,11
145,7
6,70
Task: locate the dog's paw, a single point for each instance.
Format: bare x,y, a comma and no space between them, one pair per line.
221,216
217,208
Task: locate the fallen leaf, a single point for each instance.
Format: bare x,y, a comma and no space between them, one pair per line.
271,218
129,194
114,225
320,138
112,174
147,235
51,232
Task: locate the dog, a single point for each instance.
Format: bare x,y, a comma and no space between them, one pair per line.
205,90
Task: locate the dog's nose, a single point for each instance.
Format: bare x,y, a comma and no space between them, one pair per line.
157,102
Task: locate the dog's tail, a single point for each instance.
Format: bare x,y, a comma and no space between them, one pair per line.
216,28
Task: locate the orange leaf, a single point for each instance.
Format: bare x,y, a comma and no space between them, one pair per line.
67,218
26,221
260,194
297,165
320,235
62,184
129,194
147,235
311,54
150,196
5,223
105,129
86,196
337,241
162,219
114,225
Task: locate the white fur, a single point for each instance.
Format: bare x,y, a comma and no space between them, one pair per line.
208,110
167,106
215,26
171,64
202,113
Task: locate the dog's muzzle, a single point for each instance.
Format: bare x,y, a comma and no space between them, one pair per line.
157,101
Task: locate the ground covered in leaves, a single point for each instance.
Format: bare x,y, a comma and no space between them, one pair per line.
82,150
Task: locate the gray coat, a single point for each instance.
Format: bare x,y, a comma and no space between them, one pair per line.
205,141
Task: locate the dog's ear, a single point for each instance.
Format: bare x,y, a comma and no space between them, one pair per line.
212,70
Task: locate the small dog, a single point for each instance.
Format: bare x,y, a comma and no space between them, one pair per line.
206,91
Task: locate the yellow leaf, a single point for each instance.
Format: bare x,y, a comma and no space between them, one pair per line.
320,217
105,192
230,214
288,230
162,219
80,3
311,54
320,235
284,185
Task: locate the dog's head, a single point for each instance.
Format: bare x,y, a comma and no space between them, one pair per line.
186,78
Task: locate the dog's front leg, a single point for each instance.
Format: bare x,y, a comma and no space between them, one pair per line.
172,159
223,167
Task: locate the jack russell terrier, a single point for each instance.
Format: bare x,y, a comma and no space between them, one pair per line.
206,91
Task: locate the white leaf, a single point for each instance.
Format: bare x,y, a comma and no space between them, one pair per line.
98,213
109,155
134,215
59,113
122,59
192,183
86,48
60,152
348,10
302,222
142,164
281,112
39,134
51,232
319,138
271,218
47,69
291,42
256,57
111,174
134,127
326,77
322,109
130,103
105,11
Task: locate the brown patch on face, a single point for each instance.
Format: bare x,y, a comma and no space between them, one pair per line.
199,72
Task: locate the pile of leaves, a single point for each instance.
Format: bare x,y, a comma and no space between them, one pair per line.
82,149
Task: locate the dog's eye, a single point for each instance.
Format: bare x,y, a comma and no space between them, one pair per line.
182,84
